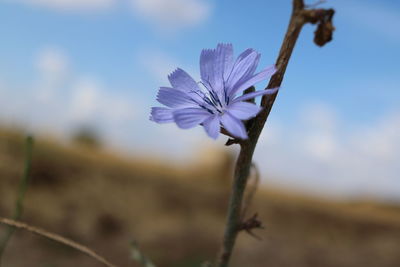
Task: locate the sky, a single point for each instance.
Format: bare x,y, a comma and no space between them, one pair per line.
334,129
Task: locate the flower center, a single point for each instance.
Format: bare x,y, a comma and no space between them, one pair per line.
208,99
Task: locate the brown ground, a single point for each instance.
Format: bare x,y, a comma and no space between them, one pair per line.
177,215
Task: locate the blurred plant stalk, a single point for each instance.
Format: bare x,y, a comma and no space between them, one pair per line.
23,187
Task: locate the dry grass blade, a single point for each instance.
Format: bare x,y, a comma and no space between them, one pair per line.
56,238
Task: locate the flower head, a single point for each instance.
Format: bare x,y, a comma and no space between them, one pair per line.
217,100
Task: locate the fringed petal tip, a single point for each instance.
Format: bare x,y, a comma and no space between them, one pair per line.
220,46
206,52
176,73
224,46
173,72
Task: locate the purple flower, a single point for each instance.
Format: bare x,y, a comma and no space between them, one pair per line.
218,99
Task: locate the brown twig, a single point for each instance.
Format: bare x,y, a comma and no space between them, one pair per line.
300,16
252,223
57,238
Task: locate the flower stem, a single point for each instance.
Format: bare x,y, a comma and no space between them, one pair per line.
299,17
241,174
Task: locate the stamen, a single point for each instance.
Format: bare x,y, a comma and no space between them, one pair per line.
210,97
212,91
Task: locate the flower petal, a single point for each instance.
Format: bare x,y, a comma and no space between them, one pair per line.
225,59
243,68
212,126
215,67
255,94
223,64
244,110
161,115
180,80
174,98
207,59
246,83
190,117
234,126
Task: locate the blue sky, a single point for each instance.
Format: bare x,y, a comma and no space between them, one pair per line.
334,129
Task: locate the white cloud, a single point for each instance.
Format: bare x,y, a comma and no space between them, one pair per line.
380,142
52,61
61,105
171,15
159,65
319,116
320,123
72,5
320,146
91,102
53,68
319,153
85,99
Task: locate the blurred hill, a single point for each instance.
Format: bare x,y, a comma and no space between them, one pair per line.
177,213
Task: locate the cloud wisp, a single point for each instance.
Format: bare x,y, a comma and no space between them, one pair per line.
72,5
166,16
172,15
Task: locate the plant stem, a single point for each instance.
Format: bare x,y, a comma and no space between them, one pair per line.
23,186
299,17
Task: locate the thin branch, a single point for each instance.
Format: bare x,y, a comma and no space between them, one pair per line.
23,187
299,17
57,238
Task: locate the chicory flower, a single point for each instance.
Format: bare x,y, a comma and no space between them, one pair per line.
217,100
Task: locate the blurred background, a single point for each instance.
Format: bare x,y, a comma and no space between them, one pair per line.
82,75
